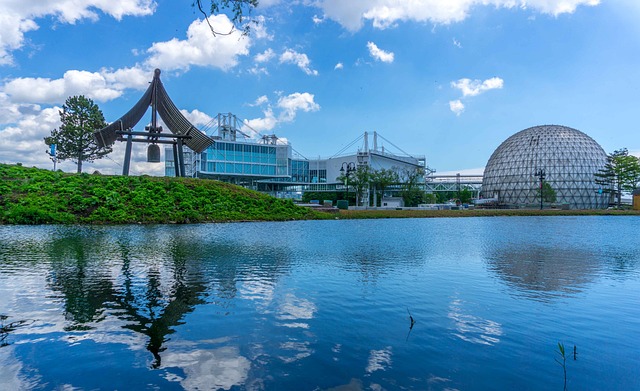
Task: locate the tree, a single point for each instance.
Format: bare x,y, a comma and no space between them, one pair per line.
465,196
358,180
74,140
411,180
383,178
430,198
548,193
239,11
620,173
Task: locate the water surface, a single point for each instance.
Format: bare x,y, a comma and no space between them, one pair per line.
318,305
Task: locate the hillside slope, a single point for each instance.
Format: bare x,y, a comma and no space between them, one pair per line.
36,196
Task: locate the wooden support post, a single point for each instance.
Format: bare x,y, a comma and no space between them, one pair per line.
176,165
181,158
127,156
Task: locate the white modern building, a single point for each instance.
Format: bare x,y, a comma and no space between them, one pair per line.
267,164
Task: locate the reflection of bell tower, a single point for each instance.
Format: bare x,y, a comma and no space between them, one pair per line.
157,286
149,310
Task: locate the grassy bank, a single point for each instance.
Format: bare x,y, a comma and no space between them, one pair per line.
381,214
36,196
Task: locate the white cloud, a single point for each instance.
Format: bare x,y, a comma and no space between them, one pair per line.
379,54
18,17
23,141
201,48
471,88
259,29
339,66
457,43
265,56
288,107
476,87
101,86
266,123
295,102
134,77
456,106
197,117
386,13
261,100
300,59
317,20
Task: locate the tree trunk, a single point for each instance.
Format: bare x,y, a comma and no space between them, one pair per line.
619,198
80,161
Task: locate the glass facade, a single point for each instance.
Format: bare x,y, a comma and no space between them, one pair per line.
318,176
299,171
245,159
569,158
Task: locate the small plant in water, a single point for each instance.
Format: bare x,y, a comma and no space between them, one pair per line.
5,329
563,363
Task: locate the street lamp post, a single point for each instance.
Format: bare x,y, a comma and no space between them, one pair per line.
541,174
346,170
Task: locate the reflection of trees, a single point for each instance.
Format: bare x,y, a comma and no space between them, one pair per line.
156,315
150,282
542,271
85,287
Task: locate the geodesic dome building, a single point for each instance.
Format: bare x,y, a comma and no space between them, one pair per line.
569,158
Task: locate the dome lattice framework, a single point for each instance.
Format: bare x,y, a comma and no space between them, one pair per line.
569,158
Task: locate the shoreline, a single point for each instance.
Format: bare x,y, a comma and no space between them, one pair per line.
382,214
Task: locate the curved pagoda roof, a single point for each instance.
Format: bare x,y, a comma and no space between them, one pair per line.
156,96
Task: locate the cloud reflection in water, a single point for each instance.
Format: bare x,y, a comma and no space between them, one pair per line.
217,369
473,329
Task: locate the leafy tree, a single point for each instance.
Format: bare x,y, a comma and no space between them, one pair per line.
74,140
548,193
465,196
412,192
358,180
239,11
620,173
430,198
383,178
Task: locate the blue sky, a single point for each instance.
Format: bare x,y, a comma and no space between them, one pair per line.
447,79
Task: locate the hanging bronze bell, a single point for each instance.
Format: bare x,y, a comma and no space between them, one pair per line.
153,153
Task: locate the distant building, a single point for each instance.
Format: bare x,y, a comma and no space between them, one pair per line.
268,164
392,202
565,158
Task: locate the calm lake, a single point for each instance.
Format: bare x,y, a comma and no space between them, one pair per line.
323,305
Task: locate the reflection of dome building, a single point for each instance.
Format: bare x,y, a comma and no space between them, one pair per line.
542,273
569,158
